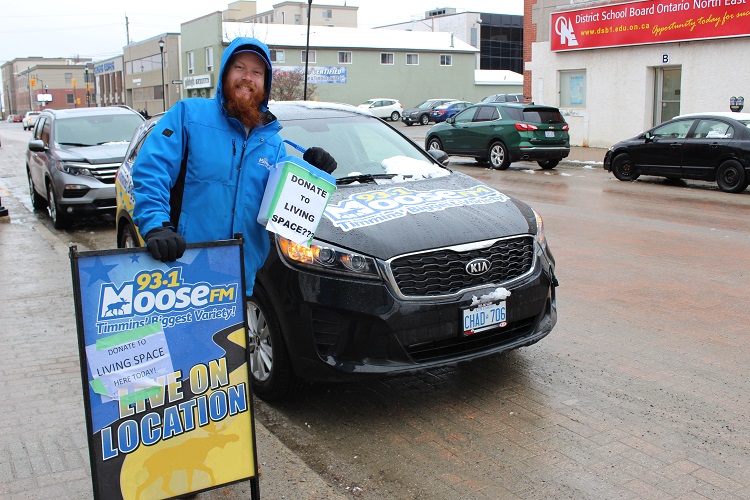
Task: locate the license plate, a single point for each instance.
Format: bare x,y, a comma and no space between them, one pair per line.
549,133
484,317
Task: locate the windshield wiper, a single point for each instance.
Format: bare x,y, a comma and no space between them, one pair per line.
363,178
73,144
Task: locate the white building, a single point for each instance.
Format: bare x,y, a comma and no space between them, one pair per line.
616,69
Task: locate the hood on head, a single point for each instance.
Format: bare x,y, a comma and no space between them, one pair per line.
245,44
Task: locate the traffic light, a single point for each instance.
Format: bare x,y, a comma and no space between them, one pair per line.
78,100
88,86
33,82
74,82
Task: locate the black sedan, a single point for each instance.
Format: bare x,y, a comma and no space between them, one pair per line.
412,266
706,146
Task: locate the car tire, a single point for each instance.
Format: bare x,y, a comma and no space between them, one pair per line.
270,366
128,237
37,201
424,119
60,219
624,168
395,116
434,143
498,156
731,177
548,164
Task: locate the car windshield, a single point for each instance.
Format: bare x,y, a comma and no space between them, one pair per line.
425,105
362,146
369,101
96,129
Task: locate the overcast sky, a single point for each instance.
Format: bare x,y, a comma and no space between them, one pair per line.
66,28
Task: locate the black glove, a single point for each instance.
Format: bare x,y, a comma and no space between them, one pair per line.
165,244
319,157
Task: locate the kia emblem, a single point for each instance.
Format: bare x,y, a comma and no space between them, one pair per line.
478,266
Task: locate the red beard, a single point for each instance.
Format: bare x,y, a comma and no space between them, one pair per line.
245,110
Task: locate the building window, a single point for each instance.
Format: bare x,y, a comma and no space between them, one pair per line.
446,60
297,19
327,13
209,58
69,98
386,58
312,56
573,89
412,59
158,92
345,57
191,62
277,56
68,77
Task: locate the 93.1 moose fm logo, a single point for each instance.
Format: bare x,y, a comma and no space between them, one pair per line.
158,295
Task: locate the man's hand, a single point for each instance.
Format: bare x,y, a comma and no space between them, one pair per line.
320,158
165,244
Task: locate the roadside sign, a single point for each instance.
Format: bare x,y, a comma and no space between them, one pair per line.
176,82
164,370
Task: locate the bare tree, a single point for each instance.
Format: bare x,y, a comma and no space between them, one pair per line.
288,85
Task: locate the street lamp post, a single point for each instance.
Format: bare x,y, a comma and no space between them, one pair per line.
28,79
307,46
161,53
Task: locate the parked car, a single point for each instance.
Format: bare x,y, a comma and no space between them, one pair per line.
504,98
384,108
72,159
15,119
504,133
444,111
412,266
703,146
29,119
421,112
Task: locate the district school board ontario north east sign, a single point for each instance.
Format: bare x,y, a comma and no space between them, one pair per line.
646,22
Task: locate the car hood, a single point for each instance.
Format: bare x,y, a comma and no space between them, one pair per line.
112,152
384,221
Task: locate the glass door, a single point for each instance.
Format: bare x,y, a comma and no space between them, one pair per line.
667,93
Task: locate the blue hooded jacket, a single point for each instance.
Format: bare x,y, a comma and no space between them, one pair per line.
226,171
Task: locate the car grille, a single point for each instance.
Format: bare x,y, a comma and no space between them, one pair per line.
443,272
105,173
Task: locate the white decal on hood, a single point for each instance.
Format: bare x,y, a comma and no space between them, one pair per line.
375,207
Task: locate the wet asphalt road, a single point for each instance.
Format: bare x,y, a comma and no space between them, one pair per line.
641,391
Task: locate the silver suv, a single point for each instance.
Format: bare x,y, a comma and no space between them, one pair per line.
73,157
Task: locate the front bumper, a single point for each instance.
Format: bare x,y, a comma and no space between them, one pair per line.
608,161
83,194
341,329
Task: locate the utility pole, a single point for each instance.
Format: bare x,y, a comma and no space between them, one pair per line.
127,31
307,47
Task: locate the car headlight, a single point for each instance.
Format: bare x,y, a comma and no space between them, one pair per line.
328,258
74,168
540,230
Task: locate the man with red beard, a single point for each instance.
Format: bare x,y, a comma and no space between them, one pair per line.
201,173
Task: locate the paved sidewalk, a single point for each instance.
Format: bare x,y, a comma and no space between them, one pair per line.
580,154
43,446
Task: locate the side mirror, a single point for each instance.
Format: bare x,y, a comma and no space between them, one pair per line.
440,156
37,146
648,136
451,119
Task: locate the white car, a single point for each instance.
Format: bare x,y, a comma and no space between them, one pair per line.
29,120
384,108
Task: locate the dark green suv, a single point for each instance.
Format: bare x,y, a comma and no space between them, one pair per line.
501,133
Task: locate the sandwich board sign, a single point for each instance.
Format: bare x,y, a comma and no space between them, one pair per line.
164,370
